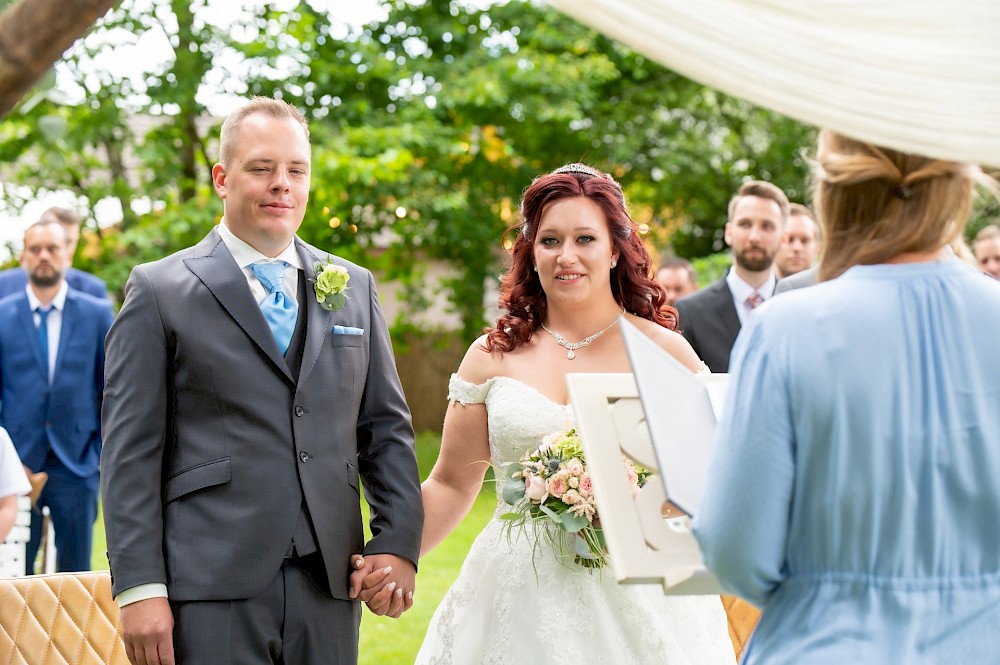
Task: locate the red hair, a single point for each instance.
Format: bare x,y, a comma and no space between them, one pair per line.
521,293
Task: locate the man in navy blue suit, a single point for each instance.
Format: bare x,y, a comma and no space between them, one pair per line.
15,279
51,383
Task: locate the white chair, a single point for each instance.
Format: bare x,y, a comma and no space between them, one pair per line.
643,546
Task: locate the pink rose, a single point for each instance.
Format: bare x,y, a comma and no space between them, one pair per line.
575,467
633,477
534,488
586,485
557,486
572,497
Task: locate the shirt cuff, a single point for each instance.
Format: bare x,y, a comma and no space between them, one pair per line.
141,592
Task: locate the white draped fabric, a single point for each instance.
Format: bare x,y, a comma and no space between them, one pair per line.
921,76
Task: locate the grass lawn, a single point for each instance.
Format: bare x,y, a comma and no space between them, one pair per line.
397,641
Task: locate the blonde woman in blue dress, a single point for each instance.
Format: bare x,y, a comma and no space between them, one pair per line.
578,267
864,431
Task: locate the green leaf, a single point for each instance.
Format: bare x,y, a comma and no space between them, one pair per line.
573,523
513,491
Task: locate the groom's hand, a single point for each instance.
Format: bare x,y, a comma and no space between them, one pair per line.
147,629
384,582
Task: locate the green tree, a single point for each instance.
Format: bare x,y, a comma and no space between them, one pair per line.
427,127
446,112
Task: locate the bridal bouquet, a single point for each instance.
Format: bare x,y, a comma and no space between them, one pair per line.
552,486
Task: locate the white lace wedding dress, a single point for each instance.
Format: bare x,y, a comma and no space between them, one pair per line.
515,602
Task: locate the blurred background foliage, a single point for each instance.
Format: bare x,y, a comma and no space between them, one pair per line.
426,128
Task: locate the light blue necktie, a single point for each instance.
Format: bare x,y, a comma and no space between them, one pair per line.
43,336
279,310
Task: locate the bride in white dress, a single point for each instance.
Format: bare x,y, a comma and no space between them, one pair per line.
577,267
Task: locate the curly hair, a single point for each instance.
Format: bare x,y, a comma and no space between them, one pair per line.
521,293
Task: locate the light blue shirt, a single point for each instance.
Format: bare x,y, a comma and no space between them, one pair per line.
854,493
53,324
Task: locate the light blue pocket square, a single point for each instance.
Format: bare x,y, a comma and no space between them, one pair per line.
348,330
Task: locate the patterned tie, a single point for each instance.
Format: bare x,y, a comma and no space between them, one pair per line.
279,310
43,335
754,299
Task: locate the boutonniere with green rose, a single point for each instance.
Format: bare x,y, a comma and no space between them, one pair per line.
331,285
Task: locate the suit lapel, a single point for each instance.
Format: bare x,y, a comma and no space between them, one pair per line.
70,316
212,263
727,309
24,315
318,321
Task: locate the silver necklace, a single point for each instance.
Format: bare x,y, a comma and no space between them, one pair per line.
571,347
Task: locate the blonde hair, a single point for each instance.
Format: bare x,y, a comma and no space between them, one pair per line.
274,108
987,232
876,203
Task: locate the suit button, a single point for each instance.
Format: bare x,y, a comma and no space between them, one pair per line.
299,410
304,457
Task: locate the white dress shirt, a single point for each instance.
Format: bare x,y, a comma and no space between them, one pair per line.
53,323
246,255
741,291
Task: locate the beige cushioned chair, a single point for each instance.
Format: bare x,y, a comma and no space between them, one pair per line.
60,619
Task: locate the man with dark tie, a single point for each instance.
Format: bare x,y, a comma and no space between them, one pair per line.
15,279
711,318
51,378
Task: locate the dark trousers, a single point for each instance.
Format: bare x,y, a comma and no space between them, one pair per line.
72,503
292,622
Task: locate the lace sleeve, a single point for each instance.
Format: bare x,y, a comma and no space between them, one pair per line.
460,390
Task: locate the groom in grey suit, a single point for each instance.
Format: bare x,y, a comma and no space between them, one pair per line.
239,416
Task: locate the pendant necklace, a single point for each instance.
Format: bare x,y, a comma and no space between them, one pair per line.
571,347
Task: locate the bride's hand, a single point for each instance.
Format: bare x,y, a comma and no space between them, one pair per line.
387,590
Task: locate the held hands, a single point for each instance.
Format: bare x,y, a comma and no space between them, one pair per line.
384,582
147,629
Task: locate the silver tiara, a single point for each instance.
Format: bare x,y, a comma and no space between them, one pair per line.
577,167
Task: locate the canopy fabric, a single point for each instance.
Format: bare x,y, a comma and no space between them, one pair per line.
921,76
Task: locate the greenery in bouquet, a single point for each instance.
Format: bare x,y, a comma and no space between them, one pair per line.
552,487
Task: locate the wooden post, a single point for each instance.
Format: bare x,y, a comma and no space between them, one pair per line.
34,34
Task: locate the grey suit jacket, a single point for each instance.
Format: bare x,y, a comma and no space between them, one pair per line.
708,320
210,445
799,280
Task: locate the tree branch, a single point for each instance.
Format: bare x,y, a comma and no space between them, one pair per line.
34,34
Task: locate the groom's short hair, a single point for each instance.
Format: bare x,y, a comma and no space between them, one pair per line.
274,108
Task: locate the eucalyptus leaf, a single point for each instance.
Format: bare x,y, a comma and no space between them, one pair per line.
573,523
553,515
509,469
513,492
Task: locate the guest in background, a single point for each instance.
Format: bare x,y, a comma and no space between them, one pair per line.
711,318
795,264
678,278
800,243
986,247
51,383
15,279
854,494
